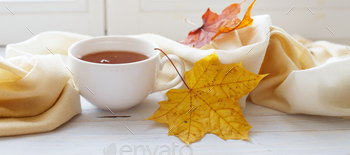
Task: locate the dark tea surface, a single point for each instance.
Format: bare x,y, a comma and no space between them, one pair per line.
113,57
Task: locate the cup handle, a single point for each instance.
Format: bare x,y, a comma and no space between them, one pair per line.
175,81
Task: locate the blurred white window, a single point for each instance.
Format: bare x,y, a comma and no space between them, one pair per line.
313,19
20,19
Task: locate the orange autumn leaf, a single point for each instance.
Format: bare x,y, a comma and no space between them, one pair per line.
210,105
214,24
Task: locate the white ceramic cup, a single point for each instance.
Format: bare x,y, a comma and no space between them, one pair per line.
118,86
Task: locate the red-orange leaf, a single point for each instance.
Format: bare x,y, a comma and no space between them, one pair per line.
214,24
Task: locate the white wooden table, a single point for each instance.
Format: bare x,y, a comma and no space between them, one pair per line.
273,132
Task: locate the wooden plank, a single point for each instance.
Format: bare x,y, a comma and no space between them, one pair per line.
327,142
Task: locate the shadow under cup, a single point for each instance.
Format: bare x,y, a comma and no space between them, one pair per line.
116,86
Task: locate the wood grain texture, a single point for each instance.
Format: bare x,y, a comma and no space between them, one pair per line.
273,132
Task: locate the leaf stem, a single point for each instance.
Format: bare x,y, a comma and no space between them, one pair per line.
174,66
189,22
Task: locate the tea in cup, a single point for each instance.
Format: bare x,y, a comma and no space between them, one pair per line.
117,72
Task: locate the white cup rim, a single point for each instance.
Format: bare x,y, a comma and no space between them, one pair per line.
79,43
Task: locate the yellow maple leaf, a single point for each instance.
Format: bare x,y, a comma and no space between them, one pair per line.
210,105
